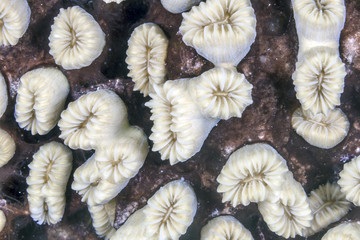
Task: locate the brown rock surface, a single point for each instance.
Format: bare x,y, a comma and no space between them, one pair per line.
268,66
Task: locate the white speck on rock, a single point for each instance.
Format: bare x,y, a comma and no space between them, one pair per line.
214,213
14,85
263,59
228,150
130,209
351,49
357,150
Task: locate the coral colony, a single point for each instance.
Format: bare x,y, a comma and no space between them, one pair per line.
184,111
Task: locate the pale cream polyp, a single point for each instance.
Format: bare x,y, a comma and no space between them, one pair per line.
350,181
14,20
221,31
290,214
320,20
225,228
76,39
344,231
47,180
7,147
95,116
177,196
320,130
319,80
40,99
167,215
250,174
328,205
184,111
179,126
146,57
178,6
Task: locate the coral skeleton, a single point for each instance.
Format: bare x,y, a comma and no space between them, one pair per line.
184,111
179,127
98,120
123,157
108,171
222,93
133,229
170,211
92,187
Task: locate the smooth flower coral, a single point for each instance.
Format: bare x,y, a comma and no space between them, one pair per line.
103,217
328,205
50,168
7,147
350,181
95,190
178,6
321,20
40,99
319,80
122,158
49,210
76,39
95,116
344,231
222,93
290,214
320,130
146,57
179,127
221,31
170,211
225,228
14,20
251,174
47,180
